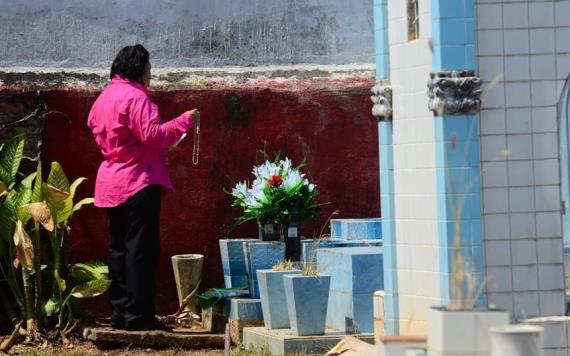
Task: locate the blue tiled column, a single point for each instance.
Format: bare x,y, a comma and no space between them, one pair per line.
381,39
457,147
391,312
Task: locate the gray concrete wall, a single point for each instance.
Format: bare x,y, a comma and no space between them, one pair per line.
205,33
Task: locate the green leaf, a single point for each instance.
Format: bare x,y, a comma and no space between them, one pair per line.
37,195
81,203
59,202
7,220
51,307
23,196
57,178
91,289
74,185
89,271
10,158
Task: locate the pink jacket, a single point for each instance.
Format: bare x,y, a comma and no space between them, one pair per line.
133,140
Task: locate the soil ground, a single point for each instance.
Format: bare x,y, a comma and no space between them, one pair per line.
86,348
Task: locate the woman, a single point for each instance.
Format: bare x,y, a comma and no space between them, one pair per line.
133,140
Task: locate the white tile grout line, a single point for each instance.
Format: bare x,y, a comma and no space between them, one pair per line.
532,155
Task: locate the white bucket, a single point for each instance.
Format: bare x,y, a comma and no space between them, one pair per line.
516,340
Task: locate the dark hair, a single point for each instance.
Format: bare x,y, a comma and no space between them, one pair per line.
130,63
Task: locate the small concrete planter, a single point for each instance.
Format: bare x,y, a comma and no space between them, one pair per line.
273,300
462,332
307,300
188,274
516,340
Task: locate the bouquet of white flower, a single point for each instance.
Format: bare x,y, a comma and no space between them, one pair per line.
279,194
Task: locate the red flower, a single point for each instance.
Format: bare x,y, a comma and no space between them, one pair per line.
275,180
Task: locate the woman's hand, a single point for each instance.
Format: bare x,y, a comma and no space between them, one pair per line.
195,115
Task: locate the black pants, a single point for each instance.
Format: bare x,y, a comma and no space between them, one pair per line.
134,250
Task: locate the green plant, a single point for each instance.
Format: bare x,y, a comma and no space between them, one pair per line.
241,350
279,194
30,208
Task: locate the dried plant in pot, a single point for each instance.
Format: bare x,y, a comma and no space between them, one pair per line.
272,294
307,294
461,327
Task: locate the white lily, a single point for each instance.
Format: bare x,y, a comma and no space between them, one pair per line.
286,165
252,202
240,189
292,179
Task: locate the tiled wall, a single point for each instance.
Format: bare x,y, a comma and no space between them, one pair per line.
524,46
415,208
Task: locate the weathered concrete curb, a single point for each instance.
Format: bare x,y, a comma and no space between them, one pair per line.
153,338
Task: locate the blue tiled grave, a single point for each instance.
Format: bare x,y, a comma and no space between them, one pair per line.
246,309
308,246
234,262
273,301
357,229
356,273
307,303
261,255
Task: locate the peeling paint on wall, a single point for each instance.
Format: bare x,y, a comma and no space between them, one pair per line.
73,33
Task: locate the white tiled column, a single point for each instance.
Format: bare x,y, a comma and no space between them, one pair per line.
414,170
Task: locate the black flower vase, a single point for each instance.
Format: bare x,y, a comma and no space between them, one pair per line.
292,236
269,232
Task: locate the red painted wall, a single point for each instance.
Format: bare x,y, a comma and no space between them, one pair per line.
328,122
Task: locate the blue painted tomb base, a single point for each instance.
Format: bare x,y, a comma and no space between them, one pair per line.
356,273
234,262
246,309
357,229
284,342
261,255
308,246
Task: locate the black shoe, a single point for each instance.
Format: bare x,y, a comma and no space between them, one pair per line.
118,323
153,324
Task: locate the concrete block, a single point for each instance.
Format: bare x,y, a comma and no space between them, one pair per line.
307,298
285,342
254,289
555,330
233,256
273,301
262,255
237,326
357,229
356,274
402,345
236,281
309,246
350,313
354,269
245,309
